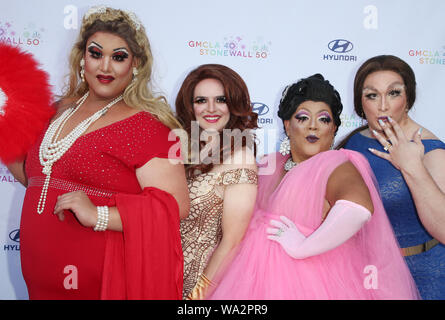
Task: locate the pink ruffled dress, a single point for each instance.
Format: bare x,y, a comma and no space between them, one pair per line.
367,266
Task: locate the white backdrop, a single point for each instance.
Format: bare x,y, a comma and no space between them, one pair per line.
269,43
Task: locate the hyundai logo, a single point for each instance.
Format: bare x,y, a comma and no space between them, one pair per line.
260,108
15,235
340,46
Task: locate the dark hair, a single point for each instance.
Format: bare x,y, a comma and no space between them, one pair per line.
384,63
314,88
380,63
237,98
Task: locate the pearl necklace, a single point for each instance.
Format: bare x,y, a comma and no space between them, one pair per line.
289,164
52,150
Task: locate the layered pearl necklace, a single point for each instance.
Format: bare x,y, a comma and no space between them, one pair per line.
52,150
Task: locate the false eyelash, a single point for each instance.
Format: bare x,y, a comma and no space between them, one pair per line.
325,119
370,95
121,56
94,52
221,99
396,92
302,117
199,100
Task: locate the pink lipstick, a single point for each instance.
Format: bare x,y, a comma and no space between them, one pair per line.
211,119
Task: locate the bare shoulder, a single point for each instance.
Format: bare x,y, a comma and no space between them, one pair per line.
345,171
63,104
346,183
427,134
126,110
435,157
434,162
121,111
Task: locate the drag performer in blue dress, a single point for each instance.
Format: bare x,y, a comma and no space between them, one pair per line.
407,160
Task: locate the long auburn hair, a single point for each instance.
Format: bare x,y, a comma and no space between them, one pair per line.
381,63
138,93
238,101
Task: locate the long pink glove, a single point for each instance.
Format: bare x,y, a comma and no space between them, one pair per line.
343,221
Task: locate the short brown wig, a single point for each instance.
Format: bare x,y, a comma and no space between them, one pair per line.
384,63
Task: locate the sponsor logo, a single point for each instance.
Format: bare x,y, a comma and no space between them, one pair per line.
235,47
31,35
351,121
429,56
6,176
14,236
262,110
339,48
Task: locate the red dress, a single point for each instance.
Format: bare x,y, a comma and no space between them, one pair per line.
63,259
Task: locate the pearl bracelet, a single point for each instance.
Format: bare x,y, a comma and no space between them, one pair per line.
103,215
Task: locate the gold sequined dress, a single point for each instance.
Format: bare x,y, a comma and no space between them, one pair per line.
201,231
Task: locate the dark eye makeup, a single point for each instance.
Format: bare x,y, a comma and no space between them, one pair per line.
120,56
221,99
199,100
94,52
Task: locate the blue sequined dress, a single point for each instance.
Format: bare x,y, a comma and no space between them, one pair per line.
427,268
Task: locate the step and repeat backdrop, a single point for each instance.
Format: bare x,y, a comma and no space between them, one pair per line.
269,43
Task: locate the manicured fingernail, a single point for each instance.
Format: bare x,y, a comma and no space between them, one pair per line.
420,131
390,119
374,132
371,149
381,122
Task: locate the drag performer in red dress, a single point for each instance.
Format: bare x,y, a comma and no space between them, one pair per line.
101,213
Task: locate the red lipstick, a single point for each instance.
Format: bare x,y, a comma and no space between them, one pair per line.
104,79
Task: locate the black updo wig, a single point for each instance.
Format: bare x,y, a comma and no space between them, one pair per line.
314,88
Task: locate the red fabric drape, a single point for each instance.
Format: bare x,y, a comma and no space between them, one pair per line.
144,261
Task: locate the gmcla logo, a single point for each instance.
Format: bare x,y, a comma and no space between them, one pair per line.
30,36
6,176
236,47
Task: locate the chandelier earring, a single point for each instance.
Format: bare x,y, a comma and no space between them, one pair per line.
135,74
285,146
82,69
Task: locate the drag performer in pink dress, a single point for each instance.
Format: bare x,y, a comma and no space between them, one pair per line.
319,229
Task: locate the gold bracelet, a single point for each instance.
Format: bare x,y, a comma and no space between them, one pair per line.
201,288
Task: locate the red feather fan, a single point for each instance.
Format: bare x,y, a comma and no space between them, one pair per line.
25,103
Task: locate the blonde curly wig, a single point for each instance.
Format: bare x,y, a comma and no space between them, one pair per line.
138,93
